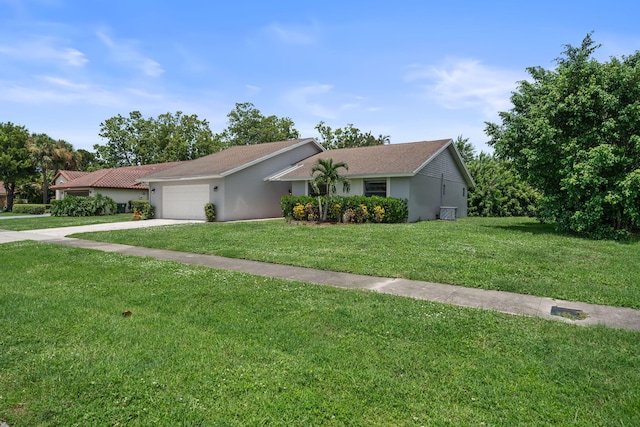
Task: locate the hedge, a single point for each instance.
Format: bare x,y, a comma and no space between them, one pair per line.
31,209
83,206
350,208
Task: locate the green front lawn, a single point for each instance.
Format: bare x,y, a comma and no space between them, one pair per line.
40,222
510,254
210,347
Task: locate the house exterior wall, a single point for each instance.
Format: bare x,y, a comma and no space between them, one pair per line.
120,195
438,184
249,196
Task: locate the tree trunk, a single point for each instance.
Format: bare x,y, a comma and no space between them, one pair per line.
10,187
45,187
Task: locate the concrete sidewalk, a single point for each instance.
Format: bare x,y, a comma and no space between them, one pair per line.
505,302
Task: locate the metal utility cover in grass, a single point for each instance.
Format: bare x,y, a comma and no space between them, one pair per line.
569,313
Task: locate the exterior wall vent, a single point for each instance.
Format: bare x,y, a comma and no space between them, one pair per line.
448,213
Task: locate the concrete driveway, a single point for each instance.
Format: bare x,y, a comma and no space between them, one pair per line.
62,232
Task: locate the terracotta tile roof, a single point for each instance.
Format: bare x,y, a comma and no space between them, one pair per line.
69,175
2,189
125,177
380,160
228,160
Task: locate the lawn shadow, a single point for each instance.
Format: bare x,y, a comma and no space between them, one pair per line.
539,228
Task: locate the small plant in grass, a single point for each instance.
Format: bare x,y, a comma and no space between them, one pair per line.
210,212
136,214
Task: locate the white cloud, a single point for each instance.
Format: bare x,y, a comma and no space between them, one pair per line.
126,52
293,35
467,83
44,49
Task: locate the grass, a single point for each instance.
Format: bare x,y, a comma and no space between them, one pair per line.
40,222
510,254
210,347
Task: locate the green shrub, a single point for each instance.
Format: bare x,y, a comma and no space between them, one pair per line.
83,206
145,209
31,209
356,208
210,212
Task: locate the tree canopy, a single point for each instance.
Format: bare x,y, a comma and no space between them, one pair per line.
499,191
15,160
348,137
136,140
247,125
574,133
465,148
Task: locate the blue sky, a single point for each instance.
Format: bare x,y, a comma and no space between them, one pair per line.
414,70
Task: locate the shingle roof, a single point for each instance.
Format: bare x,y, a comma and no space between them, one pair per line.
227,161
379,160
125,177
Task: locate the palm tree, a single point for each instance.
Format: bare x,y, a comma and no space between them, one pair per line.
325,173
41,147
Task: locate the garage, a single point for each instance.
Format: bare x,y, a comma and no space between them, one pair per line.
184,201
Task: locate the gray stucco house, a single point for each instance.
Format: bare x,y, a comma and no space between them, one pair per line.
247,182
431,175
233,179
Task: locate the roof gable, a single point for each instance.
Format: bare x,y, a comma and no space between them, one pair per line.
381,160
123,178
229,160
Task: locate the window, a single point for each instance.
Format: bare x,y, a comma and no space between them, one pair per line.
375,188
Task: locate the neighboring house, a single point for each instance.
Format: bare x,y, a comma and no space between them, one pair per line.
431,175
233,179
120,184
3,196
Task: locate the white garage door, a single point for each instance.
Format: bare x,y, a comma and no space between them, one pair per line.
184,201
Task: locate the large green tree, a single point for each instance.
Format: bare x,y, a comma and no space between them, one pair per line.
327,174
136,140
499,191
574,133
465,148
247,125
348,137
15,160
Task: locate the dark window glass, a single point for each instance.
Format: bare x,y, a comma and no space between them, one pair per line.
375,188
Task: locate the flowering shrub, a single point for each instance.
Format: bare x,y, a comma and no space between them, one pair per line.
378,209
312,212
298,212
362,214
349,216
378,214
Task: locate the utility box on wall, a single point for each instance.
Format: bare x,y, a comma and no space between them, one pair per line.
448,213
